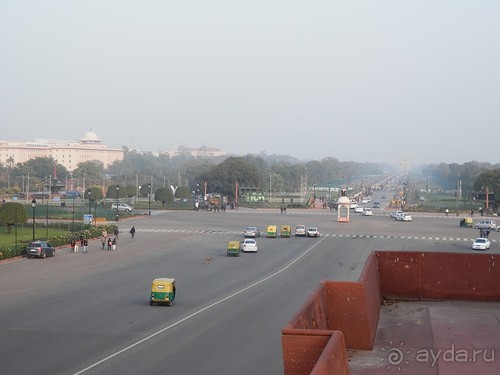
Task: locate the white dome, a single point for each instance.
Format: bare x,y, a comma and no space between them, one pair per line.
343,200
90,137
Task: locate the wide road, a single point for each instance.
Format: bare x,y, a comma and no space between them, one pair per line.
90,314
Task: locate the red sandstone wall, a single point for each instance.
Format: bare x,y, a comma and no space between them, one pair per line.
312,314
333,359
427,275
354,307
302,349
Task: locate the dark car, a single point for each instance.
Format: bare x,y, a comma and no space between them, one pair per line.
376,204
40,249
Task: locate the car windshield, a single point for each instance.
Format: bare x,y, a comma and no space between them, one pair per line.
481,240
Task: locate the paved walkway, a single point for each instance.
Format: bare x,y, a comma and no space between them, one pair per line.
433,337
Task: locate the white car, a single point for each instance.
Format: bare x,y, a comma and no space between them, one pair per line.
122,207
353,205
404,217
367,212
395,214
481,244
312,232
359,209
249,245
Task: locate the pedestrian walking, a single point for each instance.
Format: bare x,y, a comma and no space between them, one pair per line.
72,244
103,241
116,233
113,244
110,243
81,240
132,231
76,246
85,245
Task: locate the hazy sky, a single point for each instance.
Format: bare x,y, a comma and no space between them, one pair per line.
383,81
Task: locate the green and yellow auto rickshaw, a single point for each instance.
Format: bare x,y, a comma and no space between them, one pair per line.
271,231
233,249
162,291
285,231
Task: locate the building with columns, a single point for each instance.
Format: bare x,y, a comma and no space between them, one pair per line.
67,153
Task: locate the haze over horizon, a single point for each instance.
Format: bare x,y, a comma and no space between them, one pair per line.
390,82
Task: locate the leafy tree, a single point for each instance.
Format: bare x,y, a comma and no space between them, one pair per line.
92,170
182,192
12,213
164,195
489,180
131,191
114,193
95,193
144,190
222,178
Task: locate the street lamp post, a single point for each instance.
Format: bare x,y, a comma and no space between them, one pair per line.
73,224
33,205
89,194
47,221
329,196
314,190
149,196
117,188
15,225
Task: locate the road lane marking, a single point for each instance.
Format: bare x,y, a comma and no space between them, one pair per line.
147,338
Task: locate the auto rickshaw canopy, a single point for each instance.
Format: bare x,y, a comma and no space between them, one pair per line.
271,231
285,231
163,284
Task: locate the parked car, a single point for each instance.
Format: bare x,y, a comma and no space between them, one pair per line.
251,232
40,249
312,232
122,207
486,224
481,244
249,245
300,230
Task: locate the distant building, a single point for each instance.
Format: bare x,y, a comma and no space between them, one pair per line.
67,153
202,152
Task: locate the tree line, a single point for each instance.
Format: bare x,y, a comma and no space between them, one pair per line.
267,173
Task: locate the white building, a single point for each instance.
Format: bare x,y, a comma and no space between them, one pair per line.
67,153
202,152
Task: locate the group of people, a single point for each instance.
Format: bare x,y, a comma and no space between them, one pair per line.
76,243
484,233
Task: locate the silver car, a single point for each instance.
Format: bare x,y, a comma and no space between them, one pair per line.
300,230
251,232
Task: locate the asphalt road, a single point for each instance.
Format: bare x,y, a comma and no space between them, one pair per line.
90,313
